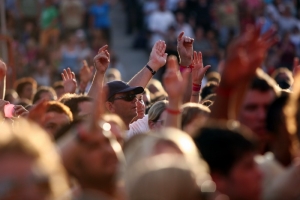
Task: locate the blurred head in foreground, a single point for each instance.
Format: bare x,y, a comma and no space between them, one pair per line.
229,150
30,167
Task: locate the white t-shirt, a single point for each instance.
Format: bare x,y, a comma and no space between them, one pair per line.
279,182
160,21
138,127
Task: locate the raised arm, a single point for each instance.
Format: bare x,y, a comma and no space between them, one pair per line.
185,52
2,79
157,59
86,75
244,56
198,73
175,84
101,62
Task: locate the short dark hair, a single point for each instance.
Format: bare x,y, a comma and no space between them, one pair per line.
222,147
73,100
55,106
22,82
41,90
263,82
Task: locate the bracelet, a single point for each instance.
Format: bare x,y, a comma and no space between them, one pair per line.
225,92
173,112
196,87
183,68
151,70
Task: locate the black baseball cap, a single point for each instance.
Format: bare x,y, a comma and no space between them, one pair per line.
115,87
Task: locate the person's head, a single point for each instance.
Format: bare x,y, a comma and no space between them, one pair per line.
229,150
156,114
30,167
194,115
199,34
113,74
58,86
80,105
12,96
209,88
146,97
173,180
180,17
141,108
121,100
168,141
44,92
283,77
213,76
91,156
258,98
57,115
156,89
25,87
162,5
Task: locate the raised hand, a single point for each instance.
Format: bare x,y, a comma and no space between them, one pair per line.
198,69
20,111
3,69
174,83
158,57
102,59
69,81
185,49
245,55
86,73
37,111
2,104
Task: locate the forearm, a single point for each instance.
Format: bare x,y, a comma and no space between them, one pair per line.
142,78
173,118
97,85
195,97
220,107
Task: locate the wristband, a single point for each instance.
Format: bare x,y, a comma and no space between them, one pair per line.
196,87
183,68
151,70
224,92
173,112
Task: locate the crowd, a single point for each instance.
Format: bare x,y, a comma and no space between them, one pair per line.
223,122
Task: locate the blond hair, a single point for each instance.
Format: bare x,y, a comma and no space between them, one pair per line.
29,139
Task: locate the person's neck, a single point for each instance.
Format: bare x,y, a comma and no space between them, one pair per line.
127,122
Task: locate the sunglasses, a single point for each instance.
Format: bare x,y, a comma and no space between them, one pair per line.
127,97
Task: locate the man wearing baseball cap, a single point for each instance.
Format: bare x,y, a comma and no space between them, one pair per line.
121,100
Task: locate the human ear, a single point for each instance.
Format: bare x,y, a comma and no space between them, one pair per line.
151,124
110,107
